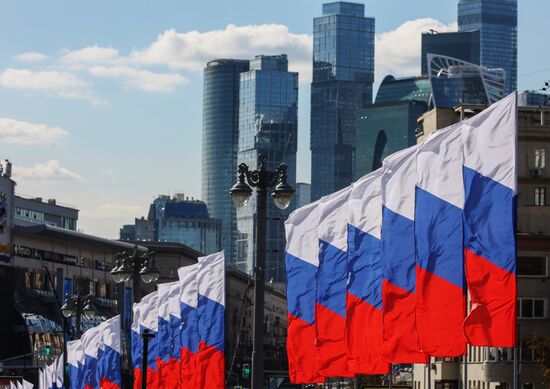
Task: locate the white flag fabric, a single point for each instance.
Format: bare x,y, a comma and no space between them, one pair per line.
27,385
59,370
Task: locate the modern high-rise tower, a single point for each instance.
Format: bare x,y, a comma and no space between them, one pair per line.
460,45
268,124
343,73
220,137
497,21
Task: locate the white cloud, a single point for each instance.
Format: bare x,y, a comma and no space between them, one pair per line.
192,50
47,171
51,82
89,56
30,56
398,51
140,79
18,132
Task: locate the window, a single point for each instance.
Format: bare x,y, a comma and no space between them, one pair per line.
540,158
532,266
499,354
540,196
531,308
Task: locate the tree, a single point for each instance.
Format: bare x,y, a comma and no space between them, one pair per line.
540,344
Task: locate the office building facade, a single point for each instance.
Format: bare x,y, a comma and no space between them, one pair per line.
343,74
268,124
497,22
389,125
220,137
177,219
302,196
455,82
462,45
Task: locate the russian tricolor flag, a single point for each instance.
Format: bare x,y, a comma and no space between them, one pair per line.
169,334
145,317
211,311
109,363
440,285
189,333
302,262
364,299
490,171
332,275
91,340
400,341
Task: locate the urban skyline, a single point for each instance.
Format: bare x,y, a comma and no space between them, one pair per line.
119,165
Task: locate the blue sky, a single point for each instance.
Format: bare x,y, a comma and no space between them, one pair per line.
101,102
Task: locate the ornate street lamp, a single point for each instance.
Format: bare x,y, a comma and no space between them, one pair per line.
261,179
75,306
135,267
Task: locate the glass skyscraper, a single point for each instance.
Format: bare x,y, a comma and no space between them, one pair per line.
390,125
220,136
497,21
461,45
343,73
268,124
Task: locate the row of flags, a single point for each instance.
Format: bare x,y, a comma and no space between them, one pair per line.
21,385
378,272
50,376
94,360
187,320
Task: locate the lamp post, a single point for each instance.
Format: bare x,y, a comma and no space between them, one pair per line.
261,179
146,336
137,267
75,306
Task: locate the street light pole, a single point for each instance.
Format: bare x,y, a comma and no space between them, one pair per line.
138,268
259,291
261,179
146,336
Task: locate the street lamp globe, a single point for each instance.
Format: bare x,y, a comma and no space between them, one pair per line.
282,195
124,271
117,277
149,273
89,309
149,277
67,309
240,193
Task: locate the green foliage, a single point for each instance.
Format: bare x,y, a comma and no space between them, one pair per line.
541,345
